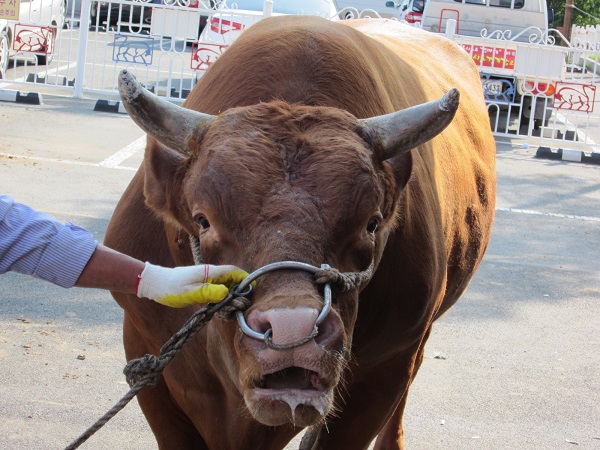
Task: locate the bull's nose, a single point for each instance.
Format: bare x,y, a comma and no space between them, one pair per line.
288,325
291,325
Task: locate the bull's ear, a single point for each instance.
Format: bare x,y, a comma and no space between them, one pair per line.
174,126
164,171
401,131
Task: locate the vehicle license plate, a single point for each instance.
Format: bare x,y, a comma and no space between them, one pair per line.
492,88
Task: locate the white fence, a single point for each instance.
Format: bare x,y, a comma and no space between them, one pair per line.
534,90
539,90
159,43
587,38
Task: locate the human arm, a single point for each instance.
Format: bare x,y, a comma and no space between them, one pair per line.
111,270
35,244
176,287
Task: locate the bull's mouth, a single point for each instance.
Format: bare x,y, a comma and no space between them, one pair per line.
292,378
293,395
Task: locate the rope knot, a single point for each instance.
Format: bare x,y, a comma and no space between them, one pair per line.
345,281
334,276
146,370
236,304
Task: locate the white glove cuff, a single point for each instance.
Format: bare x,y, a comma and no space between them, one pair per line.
151,281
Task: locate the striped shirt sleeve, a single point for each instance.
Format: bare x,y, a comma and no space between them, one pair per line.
34,243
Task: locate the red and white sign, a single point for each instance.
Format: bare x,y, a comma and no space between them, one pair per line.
29,38
205,54
575,97
499,58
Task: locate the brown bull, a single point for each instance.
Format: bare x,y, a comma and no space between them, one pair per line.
317,142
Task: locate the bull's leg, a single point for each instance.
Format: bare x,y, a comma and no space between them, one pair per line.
373,399
392,435
172,429
369,401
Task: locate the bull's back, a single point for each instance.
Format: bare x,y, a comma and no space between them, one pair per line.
311,61
462,158
369,68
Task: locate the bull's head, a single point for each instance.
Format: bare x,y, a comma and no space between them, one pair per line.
278,182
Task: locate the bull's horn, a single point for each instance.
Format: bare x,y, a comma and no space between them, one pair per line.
401,131
170,124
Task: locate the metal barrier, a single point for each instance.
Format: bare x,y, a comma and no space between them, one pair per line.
538,89
534,90
168,46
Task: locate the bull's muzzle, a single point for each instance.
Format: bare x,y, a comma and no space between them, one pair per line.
245,287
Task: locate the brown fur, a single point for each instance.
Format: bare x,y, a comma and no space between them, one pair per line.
289,174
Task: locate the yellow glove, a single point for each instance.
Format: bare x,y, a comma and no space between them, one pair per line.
184,286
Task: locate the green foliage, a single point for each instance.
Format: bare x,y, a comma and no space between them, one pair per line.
591,7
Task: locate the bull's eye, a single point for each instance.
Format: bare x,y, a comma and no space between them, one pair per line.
203,222
372,226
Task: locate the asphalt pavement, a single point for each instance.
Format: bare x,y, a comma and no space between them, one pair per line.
514,365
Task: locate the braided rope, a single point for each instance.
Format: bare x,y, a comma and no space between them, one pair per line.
146,371
346,281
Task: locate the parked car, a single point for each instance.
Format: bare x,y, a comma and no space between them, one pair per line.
506,79
500,16
227,24
181,23
345,8
3,49
410,11
39,23
121,16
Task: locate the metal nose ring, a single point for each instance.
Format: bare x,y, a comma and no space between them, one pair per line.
266,337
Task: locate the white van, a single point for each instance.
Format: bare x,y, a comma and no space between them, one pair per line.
509,17
495,32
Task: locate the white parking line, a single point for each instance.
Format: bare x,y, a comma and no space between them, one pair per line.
42,73
125,153
112,162
61,161
135,146
540,213
139,144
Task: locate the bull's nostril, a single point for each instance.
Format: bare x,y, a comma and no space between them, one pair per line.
285,328
330,336
258,321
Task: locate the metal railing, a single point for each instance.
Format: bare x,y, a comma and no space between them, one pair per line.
537,89
534,89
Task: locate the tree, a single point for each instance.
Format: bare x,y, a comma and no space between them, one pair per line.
589,16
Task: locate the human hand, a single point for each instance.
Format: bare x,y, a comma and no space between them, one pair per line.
184,286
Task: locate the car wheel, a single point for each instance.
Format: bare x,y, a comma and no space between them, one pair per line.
43,60
4,44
